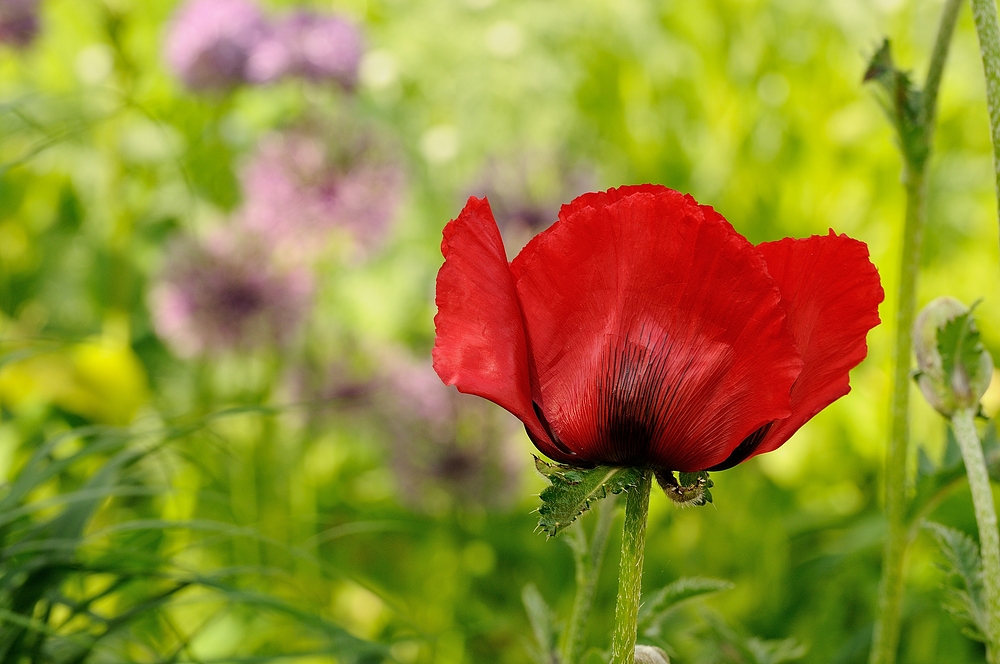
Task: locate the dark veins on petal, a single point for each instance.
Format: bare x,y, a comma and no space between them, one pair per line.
744,449
633,400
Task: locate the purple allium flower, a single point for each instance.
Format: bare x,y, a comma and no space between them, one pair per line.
305,183
315,46
227,293
210,41
18,22
447,445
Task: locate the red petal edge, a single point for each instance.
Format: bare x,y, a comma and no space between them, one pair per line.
480,345
831,291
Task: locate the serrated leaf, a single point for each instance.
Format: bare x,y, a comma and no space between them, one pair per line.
667,598
572,490
965,575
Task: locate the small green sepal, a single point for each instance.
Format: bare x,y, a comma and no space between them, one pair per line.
572,490
687,489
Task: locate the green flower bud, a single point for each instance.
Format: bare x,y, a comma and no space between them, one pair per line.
954,370
650,655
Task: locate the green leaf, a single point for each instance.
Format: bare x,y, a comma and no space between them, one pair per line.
753,650
542,625
656,608
572,490
775,651
902,102
965,579
959,346
935,481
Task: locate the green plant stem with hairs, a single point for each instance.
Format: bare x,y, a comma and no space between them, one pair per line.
588,556
964,425
886,636
984,12
630,570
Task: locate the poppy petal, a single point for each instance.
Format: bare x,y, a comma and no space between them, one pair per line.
480,345
831,291
658,336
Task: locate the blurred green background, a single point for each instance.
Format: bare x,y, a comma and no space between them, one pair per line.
311,489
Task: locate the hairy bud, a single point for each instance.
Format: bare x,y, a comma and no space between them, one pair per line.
953,368
650,655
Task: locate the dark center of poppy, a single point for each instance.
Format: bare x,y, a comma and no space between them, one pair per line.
633,398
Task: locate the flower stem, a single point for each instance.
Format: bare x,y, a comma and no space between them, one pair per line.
988,28
887,620
630,570
886,637
589,558
964,426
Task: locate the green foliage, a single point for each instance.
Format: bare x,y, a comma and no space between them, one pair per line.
572,490
933,480
656,608
959,345
902,102
543,627
754,108
71,593
737,647
964,591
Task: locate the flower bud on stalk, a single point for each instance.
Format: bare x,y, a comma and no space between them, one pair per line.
954,370
650,655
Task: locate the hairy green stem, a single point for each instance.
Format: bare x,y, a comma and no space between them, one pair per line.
589,557
964,425
887,620
935,70
630,570
886,637
988,28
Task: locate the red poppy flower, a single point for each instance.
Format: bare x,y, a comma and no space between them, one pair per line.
642,330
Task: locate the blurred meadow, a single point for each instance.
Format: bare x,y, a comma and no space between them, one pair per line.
221,439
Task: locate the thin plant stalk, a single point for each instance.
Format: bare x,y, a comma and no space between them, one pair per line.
886,636
887,621
630,570
964,426
589,558
984,12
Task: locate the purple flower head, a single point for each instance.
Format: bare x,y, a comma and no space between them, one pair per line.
210,41
305,183
446,445
315,46
227,293
18,22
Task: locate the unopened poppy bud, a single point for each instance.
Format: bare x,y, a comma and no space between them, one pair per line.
954,370
650,655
